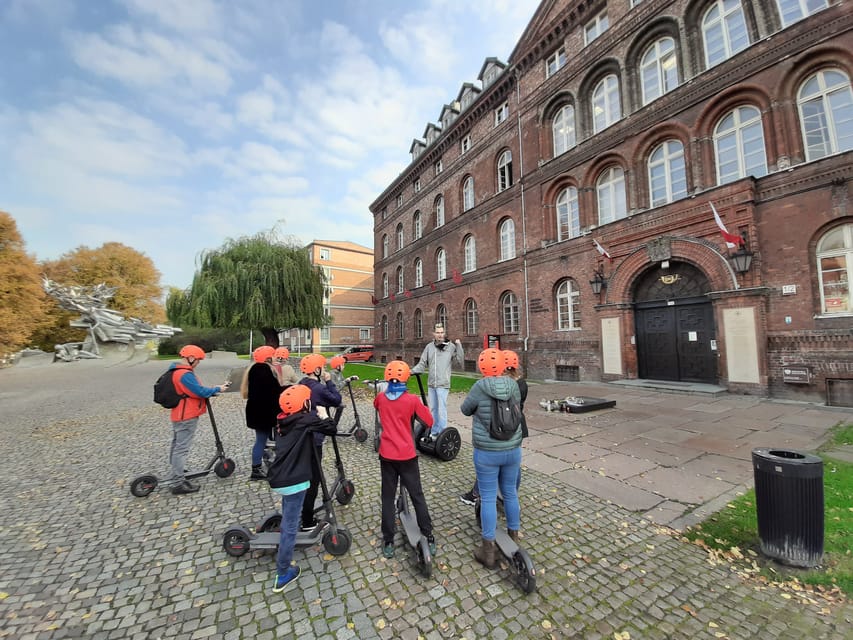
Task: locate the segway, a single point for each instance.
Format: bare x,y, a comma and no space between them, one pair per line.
521,565
223,467
446,445
356,430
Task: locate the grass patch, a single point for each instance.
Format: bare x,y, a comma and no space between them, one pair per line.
736,527
366,371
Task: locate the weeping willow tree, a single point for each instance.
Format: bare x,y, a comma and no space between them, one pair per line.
256,282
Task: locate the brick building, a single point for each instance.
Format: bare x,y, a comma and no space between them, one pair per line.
564,201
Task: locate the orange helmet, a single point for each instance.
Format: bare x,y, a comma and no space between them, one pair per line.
510,359
192,351
310,363
491,362
397,370
337,361
282,353
292,400
264,353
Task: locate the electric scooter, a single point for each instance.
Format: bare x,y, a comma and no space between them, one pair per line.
524,573
223,467
417,541
356,430
446,445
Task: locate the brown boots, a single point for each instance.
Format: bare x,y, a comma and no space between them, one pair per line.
485,554
513,534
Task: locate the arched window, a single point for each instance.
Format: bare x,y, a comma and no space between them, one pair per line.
419,273
439,211
470,251
419,323
384,327
384,245
610,190
507,234
400,326
568,214
504,171
563,129
472,318
723,31
659,70
384,285
417,226
509,312
568,306
739,144
791,11
441,315
605,103
400,285
825,102
835,269
399,236
468,194
440,264
667,173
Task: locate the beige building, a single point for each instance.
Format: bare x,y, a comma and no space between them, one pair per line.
349,273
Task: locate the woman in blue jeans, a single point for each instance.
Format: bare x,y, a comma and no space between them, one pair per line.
497,462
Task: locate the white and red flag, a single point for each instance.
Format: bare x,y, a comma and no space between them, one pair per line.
731,239
602,250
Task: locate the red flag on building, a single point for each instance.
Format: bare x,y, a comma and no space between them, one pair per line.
602,250
731,239
432,285
457,277
407,293
374,300
392,296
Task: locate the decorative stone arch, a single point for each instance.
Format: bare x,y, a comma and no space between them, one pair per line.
648,143
583,110
556,102
662,27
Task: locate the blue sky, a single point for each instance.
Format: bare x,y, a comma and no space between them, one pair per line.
171,125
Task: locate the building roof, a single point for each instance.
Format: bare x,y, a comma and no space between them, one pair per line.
341,244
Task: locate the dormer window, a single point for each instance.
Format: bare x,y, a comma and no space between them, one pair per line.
555,62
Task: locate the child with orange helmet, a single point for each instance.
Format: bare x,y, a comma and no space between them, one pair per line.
398,459
291,472
286,374
261,389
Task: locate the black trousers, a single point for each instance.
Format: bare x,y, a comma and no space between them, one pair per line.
311,493
407,473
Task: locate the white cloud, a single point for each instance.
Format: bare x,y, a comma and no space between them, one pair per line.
193,16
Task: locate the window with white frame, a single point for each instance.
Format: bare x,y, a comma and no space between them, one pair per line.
606,108
384,213
325,254
400,326
555,62
791,11
416,185
568,214
507,235
667,173
384,285
595,27
505,171
417,226
659,70
438,167
439,211
399,200
419,273
501,113
418,321
324,335
468,193
364,334
384,325
440,264
825,102
509,312
400,284
568,305
472,318
610,190
835,270
385,245
739,145
399,236
470,253
723,31
465,144
441,315
563,129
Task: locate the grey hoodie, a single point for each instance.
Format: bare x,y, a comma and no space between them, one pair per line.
478,404
439,363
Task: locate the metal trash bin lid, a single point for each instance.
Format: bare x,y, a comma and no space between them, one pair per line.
787,462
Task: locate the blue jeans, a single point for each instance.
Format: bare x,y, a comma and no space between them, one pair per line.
498,468
183,432
291,510
261,438
437,400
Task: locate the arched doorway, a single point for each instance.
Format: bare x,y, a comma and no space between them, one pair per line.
675,332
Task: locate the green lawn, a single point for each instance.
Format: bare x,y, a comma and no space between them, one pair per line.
735,528
369,371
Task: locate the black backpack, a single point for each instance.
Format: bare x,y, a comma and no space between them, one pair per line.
506,418
165,393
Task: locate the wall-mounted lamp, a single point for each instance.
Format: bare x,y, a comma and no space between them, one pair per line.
598,281
742,258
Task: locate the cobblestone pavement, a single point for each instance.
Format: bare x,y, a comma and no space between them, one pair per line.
82,558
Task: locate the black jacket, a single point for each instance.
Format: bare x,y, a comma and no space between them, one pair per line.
294,448
262,406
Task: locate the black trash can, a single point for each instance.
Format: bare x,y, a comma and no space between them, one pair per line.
789,505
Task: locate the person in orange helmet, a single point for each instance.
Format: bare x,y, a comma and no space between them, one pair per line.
261,390
286,374
185,415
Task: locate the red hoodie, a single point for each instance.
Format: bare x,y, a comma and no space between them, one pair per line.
396,416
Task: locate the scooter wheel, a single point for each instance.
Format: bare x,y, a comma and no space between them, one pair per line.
224,468
142,486
236,541
337,543
525,573
424,557
447,444
360,435
270,523
345,492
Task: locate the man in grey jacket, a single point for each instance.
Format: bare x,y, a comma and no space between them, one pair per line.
437,358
